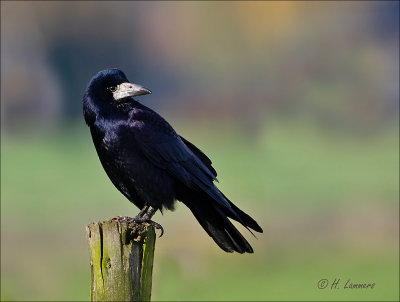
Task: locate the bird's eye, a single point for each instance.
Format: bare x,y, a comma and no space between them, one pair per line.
112,88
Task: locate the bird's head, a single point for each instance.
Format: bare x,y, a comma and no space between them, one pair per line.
106,91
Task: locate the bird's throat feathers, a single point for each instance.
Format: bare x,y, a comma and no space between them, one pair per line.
92,111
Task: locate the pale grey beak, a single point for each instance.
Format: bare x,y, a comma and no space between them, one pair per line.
128,89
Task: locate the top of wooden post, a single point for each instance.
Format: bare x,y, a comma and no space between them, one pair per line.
121,259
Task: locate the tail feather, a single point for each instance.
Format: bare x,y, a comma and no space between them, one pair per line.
245,219
217,225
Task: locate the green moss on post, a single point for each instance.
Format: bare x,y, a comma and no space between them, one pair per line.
121,260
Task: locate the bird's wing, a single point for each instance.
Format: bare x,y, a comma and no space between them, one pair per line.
200,155
166,149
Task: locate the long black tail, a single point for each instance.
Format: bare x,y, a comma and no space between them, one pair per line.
215,222
245,219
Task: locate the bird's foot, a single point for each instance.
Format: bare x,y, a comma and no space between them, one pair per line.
144,216
145,219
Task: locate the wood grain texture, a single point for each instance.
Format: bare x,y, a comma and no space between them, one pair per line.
121,260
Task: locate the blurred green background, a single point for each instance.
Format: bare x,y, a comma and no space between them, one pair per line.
296,103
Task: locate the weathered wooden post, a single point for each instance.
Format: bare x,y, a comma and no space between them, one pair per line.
121,260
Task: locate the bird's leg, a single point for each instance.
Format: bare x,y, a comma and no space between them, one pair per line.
145,216
142,212
150,214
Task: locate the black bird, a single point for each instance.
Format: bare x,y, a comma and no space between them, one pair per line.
152,166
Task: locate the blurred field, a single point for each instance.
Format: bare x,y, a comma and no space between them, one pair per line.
328,203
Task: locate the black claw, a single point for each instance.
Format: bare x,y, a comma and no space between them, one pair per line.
144,216
145,219
157,226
